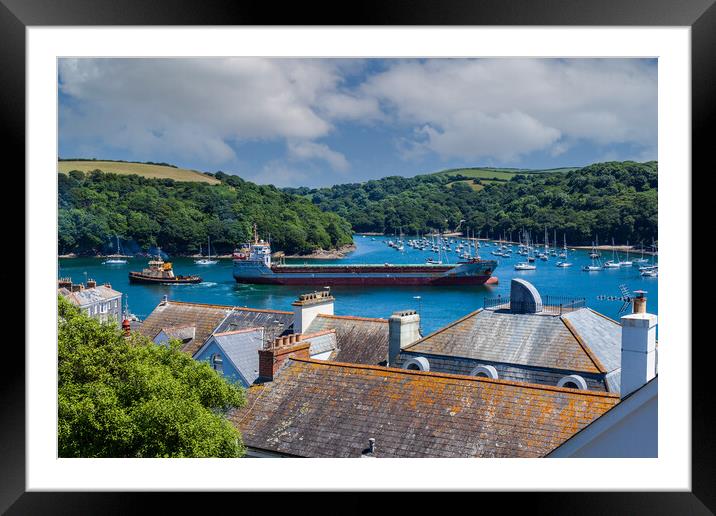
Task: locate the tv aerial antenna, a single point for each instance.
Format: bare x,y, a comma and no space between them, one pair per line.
627,296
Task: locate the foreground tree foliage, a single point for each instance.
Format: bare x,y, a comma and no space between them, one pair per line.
132,398
614,199
179,216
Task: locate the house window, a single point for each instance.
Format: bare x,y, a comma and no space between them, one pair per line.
573,381
417,364
485,371
217,363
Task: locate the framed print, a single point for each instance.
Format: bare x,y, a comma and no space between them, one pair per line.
426,232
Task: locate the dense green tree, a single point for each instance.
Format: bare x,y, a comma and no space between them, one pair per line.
179,216
614,199
121,397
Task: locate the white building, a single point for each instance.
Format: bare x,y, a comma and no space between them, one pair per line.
101,302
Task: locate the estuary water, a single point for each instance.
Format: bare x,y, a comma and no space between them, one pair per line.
438,306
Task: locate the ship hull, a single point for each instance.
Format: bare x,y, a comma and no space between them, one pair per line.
370,281
141,278
462,274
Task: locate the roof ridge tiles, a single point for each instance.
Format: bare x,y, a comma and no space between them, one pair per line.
191,303
353,318
603,316
233,332
595,360
267,310
450,376
444,328
318,333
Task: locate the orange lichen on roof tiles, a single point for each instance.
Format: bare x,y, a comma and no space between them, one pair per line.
205,318
359,340
328,409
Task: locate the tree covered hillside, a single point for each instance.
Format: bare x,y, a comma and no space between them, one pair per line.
615,199
178,216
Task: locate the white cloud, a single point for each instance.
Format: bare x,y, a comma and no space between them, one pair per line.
198,110
197,107
504,108
311,150
505,136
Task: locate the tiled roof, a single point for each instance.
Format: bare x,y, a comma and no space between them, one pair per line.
274,322
600,334
242,348
526,339
328,409
183,333
321,342
205,318
89,296
360,340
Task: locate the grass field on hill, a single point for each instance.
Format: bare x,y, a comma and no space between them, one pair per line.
139,169
492,175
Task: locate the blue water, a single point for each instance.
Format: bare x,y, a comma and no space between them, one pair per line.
438,305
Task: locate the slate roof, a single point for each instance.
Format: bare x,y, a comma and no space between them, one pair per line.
205,318
275,322
328,409
602,335
242,348
89,296
183,333
580,341
361,340
321,342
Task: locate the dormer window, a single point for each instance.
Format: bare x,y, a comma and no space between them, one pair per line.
485,371
417,364
573,381
217,363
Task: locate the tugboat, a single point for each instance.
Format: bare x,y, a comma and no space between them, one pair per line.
161,272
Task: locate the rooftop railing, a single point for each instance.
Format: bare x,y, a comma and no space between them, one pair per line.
556,305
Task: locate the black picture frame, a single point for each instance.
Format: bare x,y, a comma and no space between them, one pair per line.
16,15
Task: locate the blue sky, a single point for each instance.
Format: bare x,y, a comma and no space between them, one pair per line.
317,122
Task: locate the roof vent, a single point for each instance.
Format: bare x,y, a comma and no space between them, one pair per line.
370,450
524,297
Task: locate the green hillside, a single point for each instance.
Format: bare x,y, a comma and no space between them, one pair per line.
614,199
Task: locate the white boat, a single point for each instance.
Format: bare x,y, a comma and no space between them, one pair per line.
651,273
627,262
595,266
207,260
117,258
613,263
591,268
522,266
563,254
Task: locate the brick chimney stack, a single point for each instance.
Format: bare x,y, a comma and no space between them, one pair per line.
272,358
91,283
